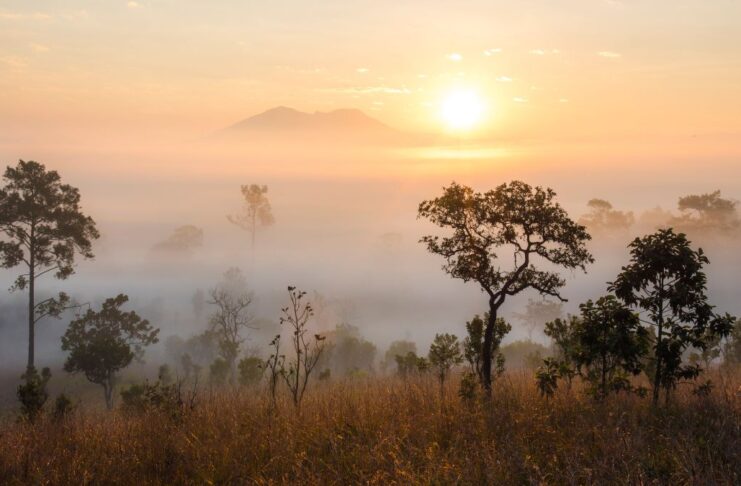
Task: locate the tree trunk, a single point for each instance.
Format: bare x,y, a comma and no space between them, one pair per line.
486,353
108,394
657,371
31,303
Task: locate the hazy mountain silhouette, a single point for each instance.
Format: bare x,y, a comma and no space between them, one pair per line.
342,125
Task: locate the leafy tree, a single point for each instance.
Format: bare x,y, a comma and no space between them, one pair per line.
45,228
219,371
346,351
445,352
473,344
665,280
610,345
231,319
537,313
250,371
410,364
183,239
32,394
603,218
257,212
565,339
397,348
707,212
517,217
307,351
100,343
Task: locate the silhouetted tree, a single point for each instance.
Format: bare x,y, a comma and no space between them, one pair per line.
232,318
307,350
257,212
515,216
45,228
445,352
33,394
611,344
473,344
537,313
665,279
707,212
100,343
603,218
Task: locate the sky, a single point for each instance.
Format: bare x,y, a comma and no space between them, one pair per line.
562,70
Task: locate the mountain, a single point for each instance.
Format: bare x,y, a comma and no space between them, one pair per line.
350,124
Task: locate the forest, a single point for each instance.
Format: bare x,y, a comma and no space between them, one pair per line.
638,385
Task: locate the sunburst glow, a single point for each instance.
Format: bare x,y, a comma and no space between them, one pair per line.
462,109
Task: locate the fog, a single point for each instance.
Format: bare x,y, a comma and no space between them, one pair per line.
346,227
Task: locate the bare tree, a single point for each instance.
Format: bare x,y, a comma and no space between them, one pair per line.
231,318
256,212
307,350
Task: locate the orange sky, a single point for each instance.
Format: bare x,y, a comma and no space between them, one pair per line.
557,71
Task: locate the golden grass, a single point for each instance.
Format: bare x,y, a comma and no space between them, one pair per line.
389,431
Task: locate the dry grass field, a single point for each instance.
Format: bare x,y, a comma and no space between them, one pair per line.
389,431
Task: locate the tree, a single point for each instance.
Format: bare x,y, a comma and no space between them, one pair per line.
231,319
346,351
256,213
100,343
410,363
250,371
45,228
517,217
183,239
707,212
603,218
610,345
307,350
397,348
665,280
565,339
473,344
537,313
445,352
33,394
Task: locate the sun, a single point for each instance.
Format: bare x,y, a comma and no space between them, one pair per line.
462,109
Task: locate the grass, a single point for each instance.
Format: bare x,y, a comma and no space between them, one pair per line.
389,431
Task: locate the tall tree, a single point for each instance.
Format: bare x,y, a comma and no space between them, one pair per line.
537,313
256,213
100,343
45,229
231,319
665,280
514,217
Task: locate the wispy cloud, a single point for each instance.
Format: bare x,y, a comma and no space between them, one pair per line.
369,90
520,99
504,79
362,70
491,52
13,62
609,54
133,5
563,100
39,48
8,15
543,52
455,57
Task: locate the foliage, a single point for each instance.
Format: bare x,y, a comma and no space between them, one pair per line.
523,354
156,397
32,393
706,213
445,352
603,218
665,279
250,371
346,351
397,348
44,228
183,239
411,364
537,313
473,344
257,211
218,372
517,217
63,408
100,343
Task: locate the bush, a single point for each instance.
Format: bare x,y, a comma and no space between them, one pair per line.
32,394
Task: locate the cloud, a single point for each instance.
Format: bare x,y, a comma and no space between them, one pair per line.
609,54
519,99
133,5
563,100
491,52
455,57
504,79
362,70
40,48
370,89
538,52
7,15
13,62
